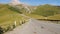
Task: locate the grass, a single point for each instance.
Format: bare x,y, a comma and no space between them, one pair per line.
9,19
9,16
35,16
47,10
55,17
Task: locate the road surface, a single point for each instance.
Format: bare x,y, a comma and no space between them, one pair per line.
37,27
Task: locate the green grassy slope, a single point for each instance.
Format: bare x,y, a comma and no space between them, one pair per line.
47,10
55,17
8,16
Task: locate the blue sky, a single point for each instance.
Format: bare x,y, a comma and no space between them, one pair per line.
36,2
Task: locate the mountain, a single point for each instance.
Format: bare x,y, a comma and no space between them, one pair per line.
8,12
21,6
47,10
9,15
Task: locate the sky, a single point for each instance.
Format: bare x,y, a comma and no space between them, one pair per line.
35,2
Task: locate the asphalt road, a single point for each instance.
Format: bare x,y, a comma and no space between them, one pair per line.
37,27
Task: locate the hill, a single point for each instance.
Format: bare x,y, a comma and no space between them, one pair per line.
8,16
47,10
